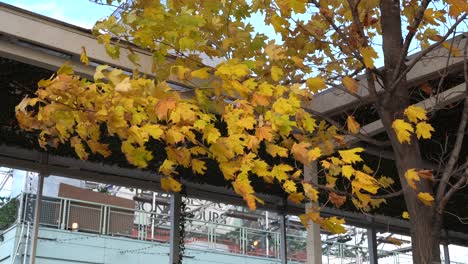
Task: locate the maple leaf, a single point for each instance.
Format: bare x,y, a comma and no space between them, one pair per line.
426,174
347,171
164,106
365,182
229,169
426,198
299,151
276,73
405,215
411,177
315,84
80,150
366,169
314,154
310,192
167,167
395,241
368,55
211,134
198,166
289,186
334,225
264,133
337,200
457,7
296,198
403,130
353,126
202,73
83,57
349,156
385,182
169,184
415,113
280,172
424,130
97,147
350,84
275,52
275,150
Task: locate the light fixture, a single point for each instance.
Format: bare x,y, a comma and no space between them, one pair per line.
75,226
255,243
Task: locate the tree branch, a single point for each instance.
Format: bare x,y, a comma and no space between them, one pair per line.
412,32
423,53
459,138
453,189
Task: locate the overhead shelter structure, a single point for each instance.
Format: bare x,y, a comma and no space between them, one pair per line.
32,47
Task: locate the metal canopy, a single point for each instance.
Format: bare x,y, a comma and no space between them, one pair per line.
26,159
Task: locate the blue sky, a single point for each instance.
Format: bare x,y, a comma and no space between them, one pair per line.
81,13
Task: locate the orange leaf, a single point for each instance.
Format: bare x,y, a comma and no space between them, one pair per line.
336,199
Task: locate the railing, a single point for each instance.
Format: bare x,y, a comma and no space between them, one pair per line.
81,216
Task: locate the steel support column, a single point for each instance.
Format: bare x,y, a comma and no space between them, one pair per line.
283,241
446,254
314,241
372,244
37,209
174,256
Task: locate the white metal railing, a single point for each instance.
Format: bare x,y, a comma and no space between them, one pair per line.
89,217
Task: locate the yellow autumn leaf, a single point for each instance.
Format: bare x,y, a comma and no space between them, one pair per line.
334,225
385,182
198,166
169,184
315,84
347,171
314,154
350,156
275,150
405,215
426,198
83,57
368,55
167,167
296,198
310,192
424,130
353,126
289,186
299,151
403,130
366,169
350,84
276,73
210,134
201,73
412,176
457,7
415,113
280,172
455,51
80,150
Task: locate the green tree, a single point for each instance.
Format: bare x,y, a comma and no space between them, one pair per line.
250,113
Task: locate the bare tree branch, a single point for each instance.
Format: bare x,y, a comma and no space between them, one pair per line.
459,138
423,53
453,189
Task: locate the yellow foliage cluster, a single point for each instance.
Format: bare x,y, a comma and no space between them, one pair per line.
246,112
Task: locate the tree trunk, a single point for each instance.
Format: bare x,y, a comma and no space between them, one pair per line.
425,222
